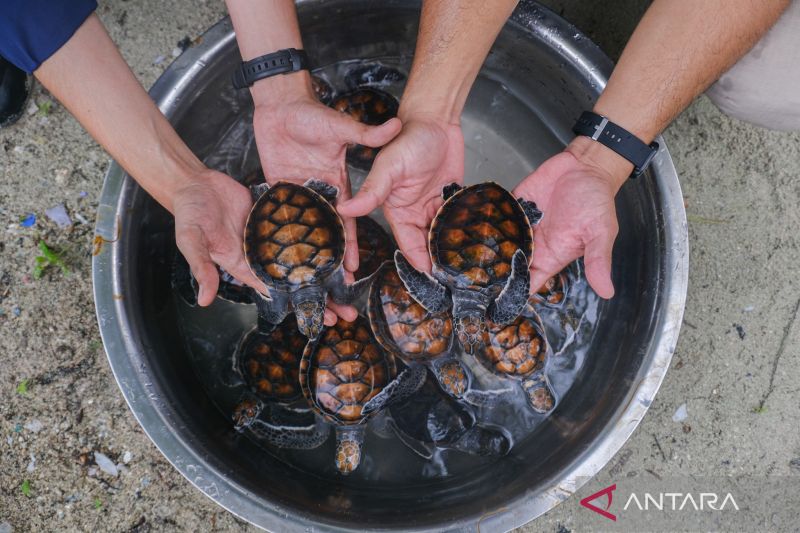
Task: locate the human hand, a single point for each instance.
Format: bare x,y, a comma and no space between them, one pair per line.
210,214
575,190
407,179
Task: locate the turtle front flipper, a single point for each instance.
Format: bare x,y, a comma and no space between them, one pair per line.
349,441
487,398
538,393
401,388
423,449
286,429
449,190
483,441
246,412
271,311
423,287
326,190
532,212
257,190
512,300
452,376
352,294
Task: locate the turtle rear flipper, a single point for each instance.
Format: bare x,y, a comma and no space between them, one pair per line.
423,449
532,212
257,190
404,385
271,311
326,190
423,287
449,190
512,300
479,440
487,398
538,393
282,429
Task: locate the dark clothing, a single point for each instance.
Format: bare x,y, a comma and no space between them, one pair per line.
33,30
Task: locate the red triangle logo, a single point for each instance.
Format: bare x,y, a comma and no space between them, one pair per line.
603,512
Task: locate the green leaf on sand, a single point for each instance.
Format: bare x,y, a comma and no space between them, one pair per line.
22,388
26,488
98,503
47,258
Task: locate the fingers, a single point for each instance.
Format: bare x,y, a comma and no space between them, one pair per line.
354,132
192,246
545,265
373,192
330,318
346,312
413,242
242,272
597,262
351,230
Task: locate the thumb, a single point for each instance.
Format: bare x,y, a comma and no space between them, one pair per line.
190,243
597,262
355,132
373,192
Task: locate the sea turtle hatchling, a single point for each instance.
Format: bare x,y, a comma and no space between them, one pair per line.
229,289
554,291
431,419
294,242
339,374
518,351
269,364
372,107
418,337
480,244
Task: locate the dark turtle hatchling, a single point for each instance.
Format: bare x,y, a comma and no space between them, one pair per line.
269,364
518,351
372,75
431,419
372,107
375,246
339,374
322,89
554,291
480,244
294,242
418,337
230,289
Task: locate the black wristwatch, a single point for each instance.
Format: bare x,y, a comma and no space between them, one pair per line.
280,62
623,142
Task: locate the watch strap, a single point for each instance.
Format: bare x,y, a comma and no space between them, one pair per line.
280,62
618,139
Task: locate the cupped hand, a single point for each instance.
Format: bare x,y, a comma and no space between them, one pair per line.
301,139
210,214
575,190
407,179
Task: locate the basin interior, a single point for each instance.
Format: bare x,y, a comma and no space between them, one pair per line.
518,114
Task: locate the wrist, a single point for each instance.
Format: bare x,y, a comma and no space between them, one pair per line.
282,89
609,164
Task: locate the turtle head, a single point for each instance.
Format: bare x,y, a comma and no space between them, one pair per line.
469,319
246,412
309,309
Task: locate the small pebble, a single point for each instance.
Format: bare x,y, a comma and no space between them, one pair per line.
5,527
126,457
92,472
159,60
34,426
81,218
749,309
58,214
176,52
32,108
105,464
680,414
10,440
145,481
16,310
83,194
32,465
61,176
19,149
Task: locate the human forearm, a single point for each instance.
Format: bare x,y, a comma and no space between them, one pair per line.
265,27
454,39
89,76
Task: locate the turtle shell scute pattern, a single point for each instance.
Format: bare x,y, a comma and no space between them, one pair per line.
374,246
270,364
369,106
475,234
344,370
402,325
516,350
294,237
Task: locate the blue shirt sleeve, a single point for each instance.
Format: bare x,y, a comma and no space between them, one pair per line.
33,30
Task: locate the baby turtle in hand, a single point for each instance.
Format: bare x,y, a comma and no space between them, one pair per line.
375,246
270,366
339,374
554,291
418,337
480,244
322,89
294,242
230,289
518,351
431,419
372,107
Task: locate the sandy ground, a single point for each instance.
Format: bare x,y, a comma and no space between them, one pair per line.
736,367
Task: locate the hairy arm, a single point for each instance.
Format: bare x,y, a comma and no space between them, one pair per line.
408,174
678,49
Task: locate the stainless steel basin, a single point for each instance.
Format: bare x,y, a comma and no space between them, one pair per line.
539,76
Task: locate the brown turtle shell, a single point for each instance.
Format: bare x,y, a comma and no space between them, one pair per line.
293,237
475,234
553,292
369,106
402,325
270,364
374,246
516,350
344,370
